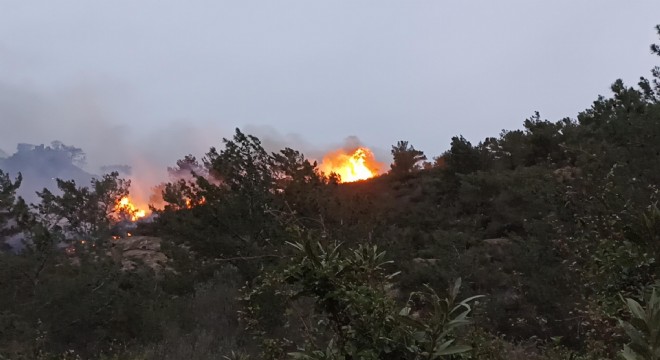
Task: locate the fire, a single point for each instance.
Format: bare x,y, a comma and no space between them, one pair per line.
190,204
125,204
360,164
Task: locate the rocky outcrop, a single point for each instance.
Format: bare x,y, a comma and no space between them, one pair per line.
423,261
133,250
567,173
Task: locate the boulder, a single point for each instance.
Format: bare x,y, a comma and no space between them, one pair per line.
132,250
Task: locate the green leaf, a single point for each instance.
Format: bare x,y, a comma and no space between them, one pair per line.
456,288
635,308
457,349
629,354
635,335
411,322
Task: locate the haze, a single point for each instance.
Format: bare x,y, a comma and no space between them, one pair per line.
146,82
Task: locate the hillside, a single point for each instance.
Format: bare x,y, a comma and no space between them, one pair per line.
40,165
521,246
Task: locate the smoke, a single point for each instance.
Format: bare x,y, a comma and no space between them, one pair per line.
121,169
40,165
272,140
94,118
105,122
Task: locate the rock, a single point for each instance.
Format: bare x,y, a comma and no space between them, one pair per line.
423,261
495,250
497,241
131,251
567,173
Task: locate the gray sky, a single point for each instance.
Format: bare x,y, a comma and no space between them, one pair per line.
150,81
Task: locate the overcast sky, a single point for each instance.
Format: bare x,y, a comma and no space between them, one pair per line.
161,79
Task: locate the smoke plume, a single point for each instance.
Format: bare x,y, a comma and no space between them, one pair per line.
104,123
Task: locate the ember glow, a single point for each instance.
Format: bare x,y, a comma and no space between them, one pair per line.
190,204
128,207
359,164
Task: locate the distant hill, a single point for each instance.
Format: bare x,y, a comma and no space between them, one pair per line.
41,164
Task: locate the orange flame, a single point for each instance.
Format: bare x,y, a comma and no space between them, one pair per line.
359,164
190,204
125,204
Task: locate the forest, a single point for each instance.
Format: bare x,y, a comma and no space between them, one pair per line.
538,243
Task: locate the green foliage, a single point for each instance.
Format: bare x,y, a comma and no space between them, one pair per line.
227,207
76,300
552,221
56,304
245,180
405,158
655,48
12,209
643,329
352,316
84,212
463,157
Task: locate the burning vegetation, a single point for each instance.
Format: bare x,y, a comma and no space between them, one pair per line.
124,205
554,239
355,165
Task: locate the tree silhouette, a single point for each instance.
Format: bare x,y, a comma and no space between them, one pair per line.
406,158
655,48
